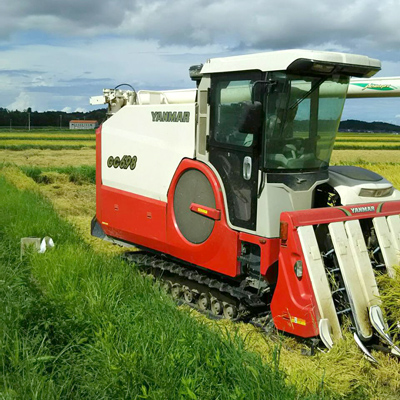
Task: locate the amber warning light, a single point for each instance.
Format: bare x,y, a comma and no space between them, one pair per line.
284,232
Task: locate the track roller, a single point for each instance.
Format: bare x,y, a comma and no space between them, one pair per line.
190,295
230,311
176,291
203,302
166,286
216,306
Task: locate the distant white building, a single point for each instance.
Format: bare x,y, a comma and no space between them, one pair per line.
83,124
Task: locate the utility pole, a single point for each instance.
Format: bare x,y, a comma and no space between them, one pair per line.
60,121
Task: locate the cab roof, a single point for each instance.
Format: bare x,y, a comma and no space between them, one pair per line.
281,60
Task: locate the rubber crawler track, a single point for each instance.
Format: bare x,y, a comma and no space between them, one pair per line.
251,307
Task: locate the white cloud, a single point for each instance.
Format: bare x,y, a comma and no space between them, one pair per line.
257,24
56,57
23,101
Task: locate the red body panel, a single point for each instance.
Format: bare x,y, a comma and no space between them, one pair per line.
133,218
220,251
327,215
293,305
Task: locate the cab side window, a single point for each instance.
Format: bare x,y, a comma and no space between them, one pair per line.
229,96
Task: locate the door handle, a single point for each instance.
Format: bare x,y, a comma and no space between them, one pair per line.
247,166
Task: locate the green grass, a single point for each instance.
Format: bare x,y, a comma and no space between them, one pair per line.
75,324
78,175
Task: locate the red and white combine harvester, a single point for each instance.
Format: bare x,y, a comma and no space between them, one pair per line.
227,190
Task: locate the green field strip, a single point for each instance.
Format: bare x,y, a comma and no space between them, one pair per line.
393,138
48,137
368,135
369,144
46,141
70,146
368,140
365,146
51,131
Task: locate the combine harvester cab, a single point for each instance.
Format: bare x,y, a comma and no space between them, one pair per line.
227,190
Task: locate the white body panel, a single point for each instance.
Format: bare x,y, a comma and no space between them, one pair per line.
275,199
159,147
349,188
183,96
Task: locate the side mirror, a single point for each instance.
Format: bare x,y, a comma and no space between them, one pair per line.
250,117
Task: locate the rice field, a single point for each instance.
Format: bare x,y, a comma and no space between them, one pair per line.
46,136
84,329
53,140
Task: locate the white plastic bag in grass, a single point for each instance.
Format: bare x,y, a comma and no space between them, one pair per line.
46,243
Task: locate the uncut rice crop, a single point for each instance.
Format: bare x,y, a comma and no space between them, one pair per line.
362,146
369,140
362,156
368,144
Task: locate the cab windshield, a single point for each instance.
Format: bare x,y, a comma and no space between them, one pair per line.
302,115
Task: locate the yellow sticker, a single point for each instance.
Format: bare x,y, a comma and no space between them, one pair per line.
299,321
202,210
105,223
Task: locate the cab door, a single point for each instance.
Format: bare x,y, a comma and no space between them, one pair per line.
234,153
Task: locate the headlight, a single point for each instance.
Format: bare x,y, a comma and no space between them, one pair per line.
376,192
298,269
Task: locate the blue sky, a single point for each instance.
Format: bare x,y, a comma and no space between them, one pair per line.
55,54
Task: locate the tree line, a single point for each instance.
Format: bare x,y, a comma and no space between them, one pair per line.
61,119
353,125
47,118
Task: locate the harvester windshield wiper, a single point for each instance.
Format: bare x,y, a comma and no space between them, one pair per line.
314,87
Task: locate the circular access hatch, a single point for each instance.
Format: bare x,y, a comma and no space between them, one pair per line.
193,187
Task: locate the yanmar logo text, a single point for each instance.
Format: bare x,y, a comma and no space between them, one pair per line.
169,116
355,210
